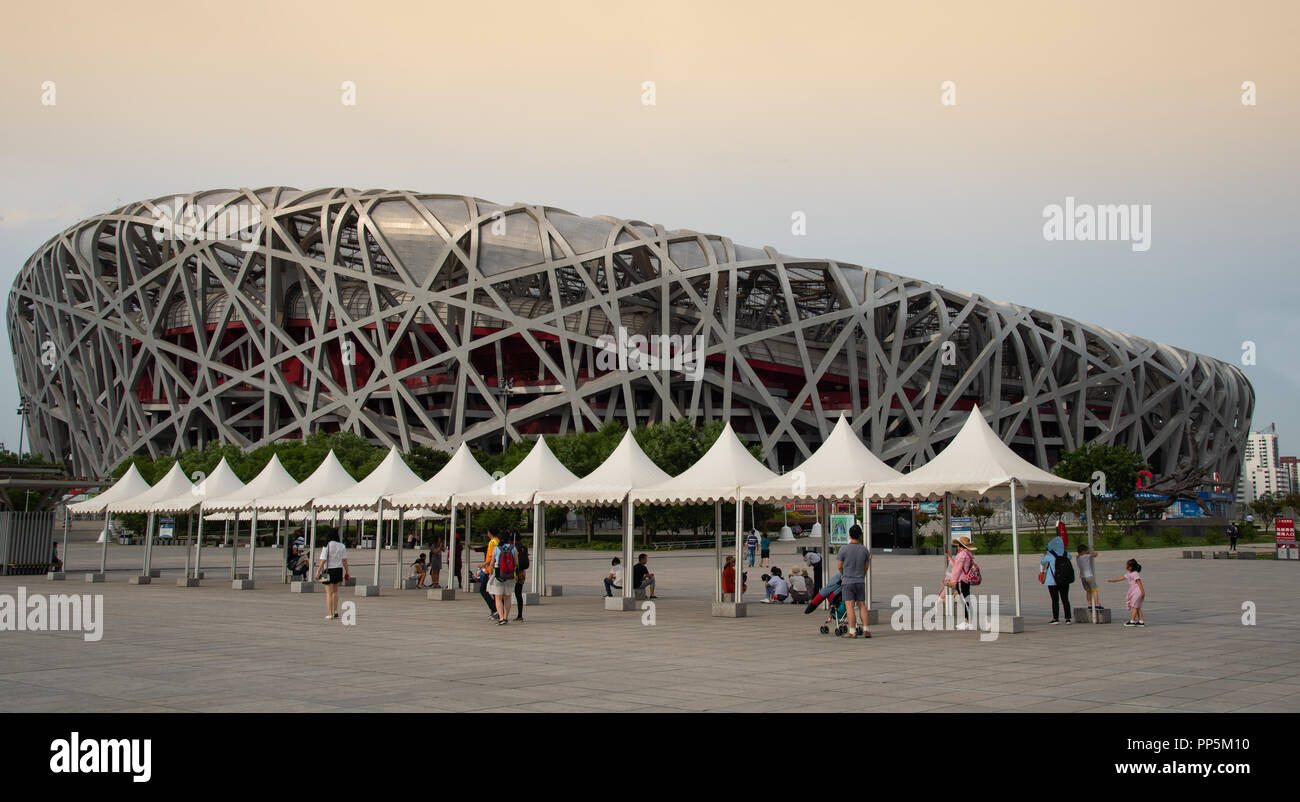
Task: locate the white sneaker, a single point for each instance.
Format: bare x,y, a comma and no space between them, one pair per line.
329,617
963,625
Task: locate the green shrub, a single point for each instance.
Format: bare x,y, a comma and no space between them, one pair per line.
1214,536
1138,540
1170,536
993,540
1113,539
1037,541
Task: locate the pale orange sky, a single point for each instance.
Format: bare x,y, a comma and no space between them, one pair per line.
763,108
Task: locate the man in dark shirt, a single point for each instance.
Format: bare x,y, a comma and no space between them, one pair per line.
642,579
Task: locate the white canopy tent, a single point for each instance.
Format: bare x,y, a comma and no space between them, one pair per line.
173,484
842,468
717,477
220,482
389,476
977,464
626,467
272,480
131,484
462,473
329,478
538,471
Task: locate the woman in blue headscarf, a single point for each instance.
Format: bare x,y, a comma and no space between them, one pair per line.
1057,573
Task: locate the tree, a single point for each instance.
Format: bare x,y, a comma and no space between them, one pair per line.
1267,508
1119,465
979,516
1043,510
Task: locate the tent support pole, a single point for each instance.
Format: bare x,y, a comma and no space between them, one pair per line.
1088,501
866,533
234,548
379,540
103,552
148,543
66,513
717,551
401,532
1015,548
469,520
944,548
189,541
627,547
198,545
252,546
539,534
450,551
740,544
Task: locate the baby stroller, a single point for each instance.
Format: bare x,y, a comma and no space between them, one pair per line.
837,621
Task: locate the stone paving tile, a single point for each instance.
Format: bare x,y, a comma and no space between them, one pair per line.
214,648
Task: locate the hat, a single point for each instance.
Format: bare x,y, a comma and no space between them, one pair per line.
964,542
299,541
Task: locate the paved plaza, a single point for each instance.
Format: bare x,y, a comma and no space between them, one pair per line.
212,648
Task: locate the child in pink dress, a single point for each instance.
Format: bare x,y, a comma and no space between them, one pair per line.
1136,593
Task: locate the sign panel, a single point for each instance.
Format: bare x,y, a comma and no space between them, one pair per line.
840,524
960,528
166,528
1284,532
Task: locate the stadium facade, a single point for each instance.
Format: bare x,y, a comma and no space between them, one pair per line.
255,315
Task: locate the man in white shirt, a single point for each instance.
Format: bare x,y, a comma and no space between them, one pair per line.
778,589
331,569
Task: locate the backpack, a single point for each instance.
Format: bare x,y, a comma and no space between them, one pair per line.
505,567
1063,571
524,563
974,577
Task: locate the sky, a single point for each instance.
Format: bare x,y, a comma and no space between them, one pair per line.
839,112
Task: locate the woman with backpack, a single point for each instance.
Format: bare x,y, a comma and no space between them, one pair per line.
1057,572
521,572
963,575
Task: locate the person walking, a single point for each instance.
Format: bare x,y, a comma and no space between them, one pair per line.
1233,534
1137,593
1057,572
522,564
765,550
751,546
962,560
332,570
854,561
485,575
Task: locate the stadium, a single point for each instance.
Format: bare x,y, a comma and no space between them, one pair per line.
249,316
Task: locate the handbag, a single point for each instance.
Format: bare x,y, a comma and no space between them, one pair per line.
1042,575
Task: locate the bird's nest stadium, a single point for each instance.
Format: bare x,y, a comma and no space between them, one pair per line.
256,315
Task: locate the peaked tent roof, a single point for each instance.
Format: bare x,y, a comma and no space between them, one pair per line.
130,485
272,480
462,473
975,464
627,467
330,477
389,476
540,470
837,470
170,486
390,514
718,476
221,481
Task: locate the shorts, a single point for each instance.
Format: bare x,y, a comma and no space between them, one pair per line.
333,576
855,592
1089,582
436,563
765,553
498,587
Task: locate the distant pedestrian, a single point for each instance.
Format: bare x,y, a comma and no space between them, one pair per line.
751,546
1137,593
485,575
332,570
854,561
56,563
765,549
435,564
613,577
814,561
962,561
1233,534
522,564
1057,573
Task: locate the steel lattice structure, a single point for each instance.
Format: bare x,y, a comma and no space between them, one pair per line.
433,319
